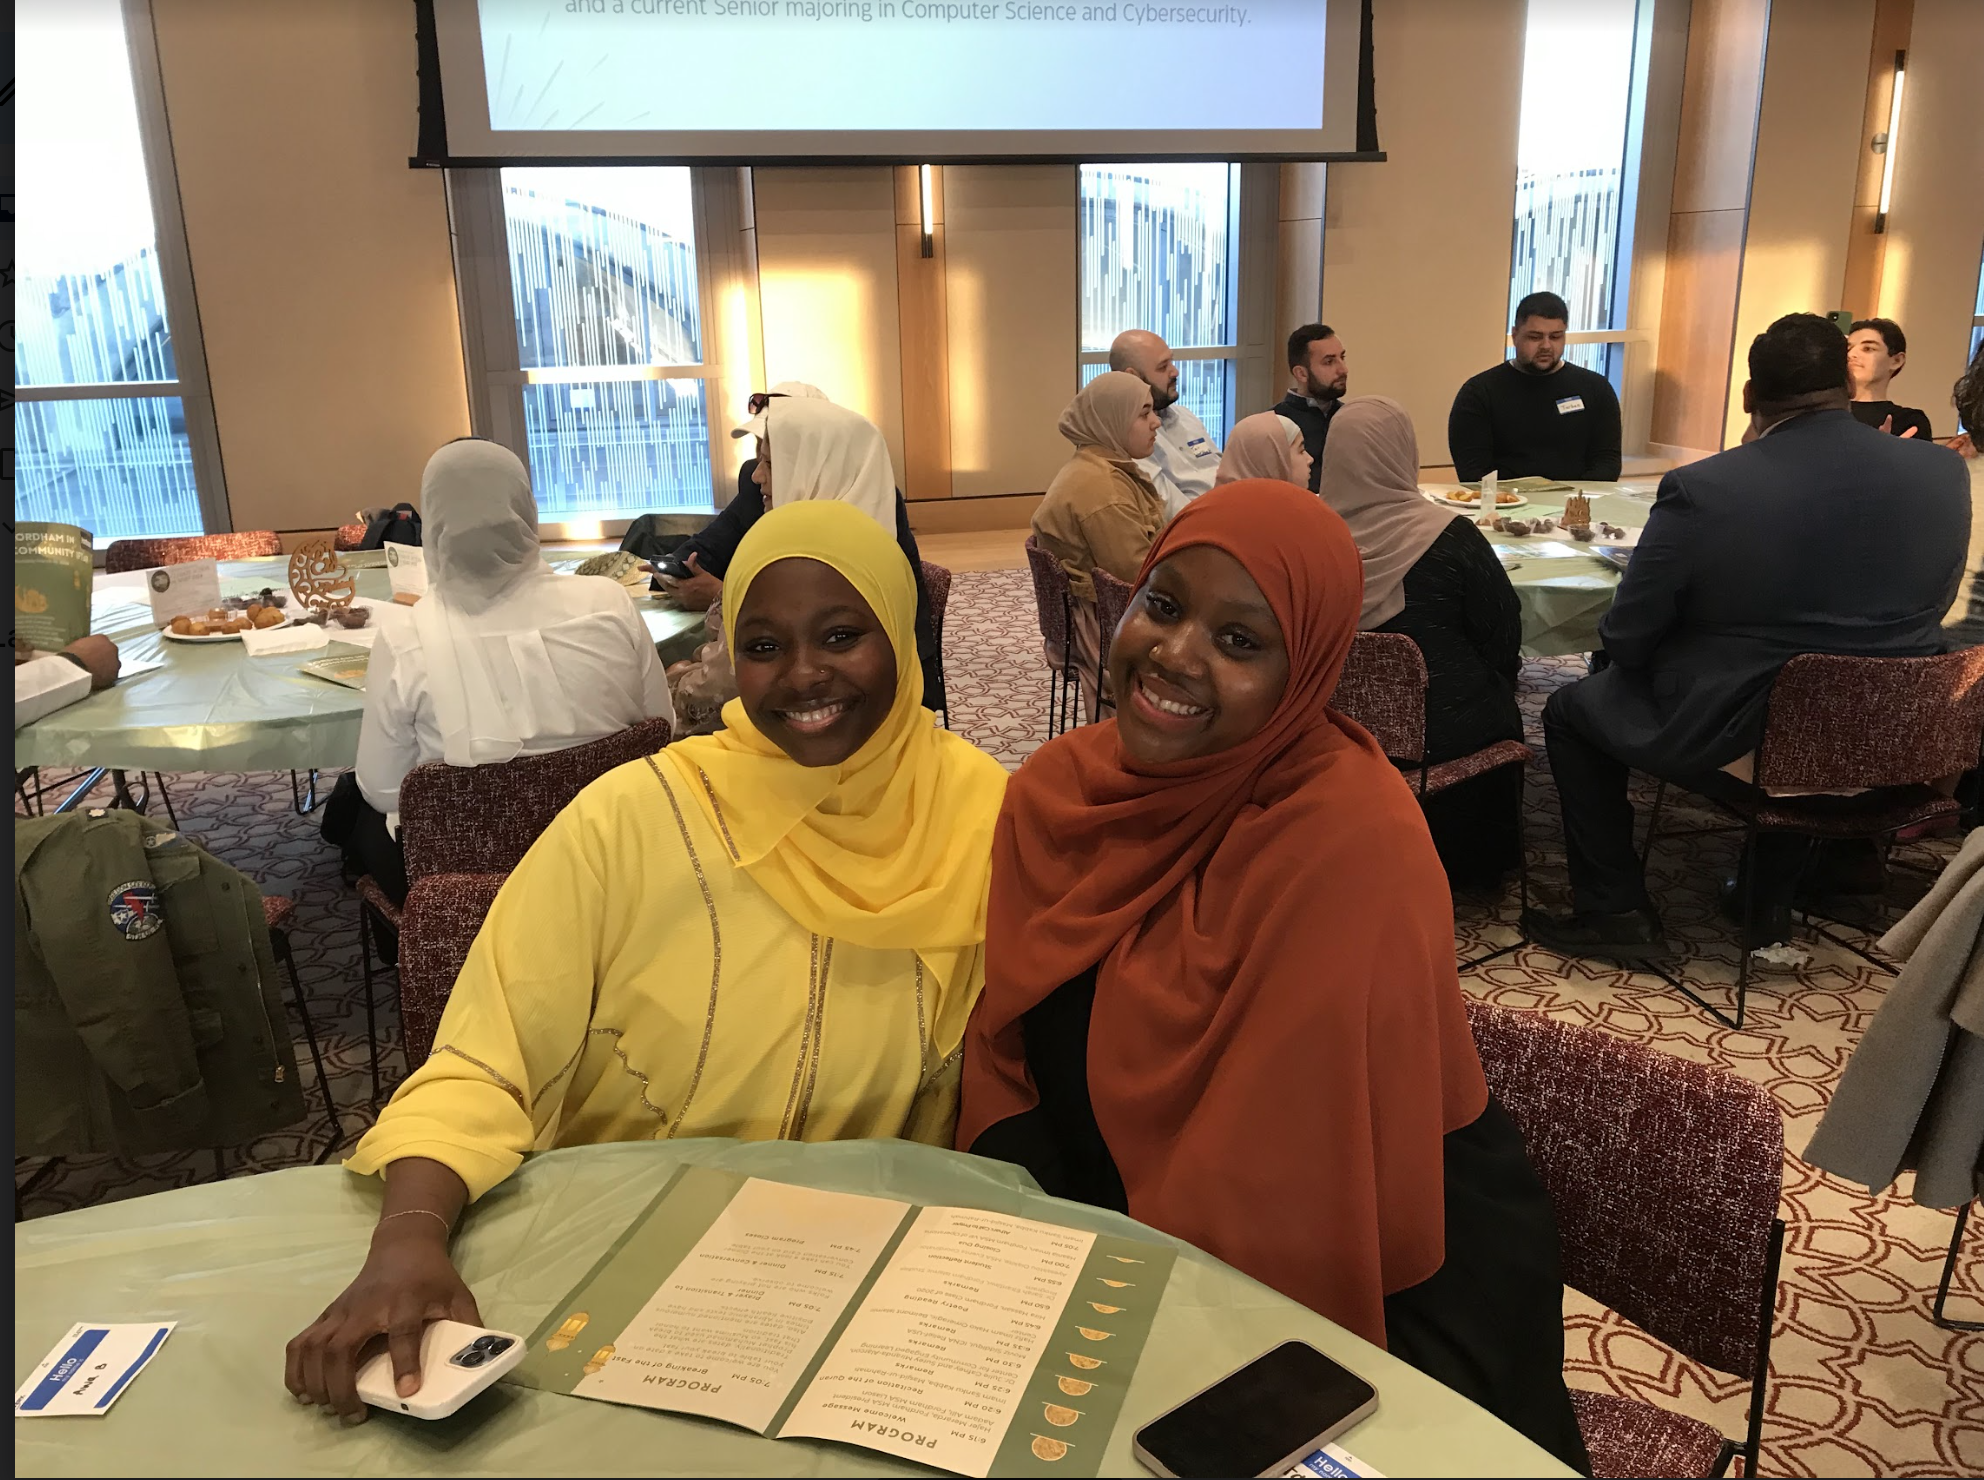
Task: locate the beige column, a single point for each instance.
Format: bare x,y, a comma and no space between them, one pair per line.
924,325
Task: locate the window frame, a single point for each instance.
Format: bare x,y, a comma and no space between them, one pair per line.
192,388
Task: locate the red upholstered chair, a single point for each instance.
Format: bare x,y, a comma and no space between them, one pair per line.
1885,727
937,584
443,913
482,820
1665,1177
349,537
143,554
1112,600
1383,688
1053,604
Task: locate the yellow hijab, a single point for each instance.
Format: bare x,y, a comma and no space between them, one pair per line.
891,849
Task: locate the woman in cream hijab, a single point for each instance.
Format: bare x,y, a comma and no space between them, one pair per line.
776,932
1101,510
1431,575
1265,446
501,658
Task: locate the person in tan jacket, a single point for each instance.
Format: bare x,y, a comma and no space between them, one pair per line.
1101,509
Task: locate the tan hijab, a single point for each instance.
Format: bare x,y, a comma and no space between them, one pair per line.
1103,412
1371,478
1261,446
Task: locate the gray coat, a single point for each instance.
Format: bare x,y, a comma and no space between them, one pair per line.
1913,1092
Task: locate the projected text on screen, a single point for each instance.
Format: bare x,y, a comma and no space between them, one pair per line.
891,65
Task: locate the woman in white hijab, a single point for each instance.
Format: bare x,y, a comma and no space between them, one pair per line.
501,658
1431,575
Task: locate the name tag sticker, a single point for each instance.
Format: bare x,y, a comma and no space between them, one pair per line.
1569,404
89,1369
1201,447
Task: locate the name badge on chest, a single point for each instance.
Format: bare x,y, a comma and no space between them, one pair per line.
1569,404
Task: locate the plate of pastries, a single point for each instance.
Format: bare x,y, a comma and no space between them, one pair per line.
227,623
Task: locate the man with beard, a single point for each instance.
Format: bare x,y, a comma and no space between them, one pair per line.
1536,415
1317,365
1184,461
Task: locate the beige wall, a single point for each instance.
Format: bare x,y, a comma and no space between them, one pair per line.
320,261
1807,161
1936,215
827,287
1416,250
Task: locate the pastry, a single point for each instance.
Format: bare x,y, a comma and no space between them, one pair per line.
182,626
267,616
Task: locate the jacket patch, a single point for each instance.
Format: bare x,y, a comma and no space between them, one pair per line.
134,909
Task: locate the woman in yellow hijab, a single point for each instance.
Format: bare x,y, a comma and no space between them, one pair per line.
775,931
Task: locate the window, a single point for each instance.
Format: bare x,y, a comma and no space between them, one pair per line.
1977,314
1159,252
1573,209
105,370
603,289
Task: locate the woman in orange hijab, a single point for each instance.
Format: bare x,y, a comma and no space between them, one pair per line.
1220,984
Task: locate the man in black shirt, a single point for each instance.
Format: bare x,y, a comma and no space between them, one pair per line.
1876,349
1318,366
1537,415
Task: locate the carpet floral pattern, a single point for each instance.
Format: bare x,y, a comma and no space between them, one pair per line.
1862,1382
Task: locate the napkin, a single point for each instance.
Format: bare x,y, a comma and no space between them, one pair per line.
298,638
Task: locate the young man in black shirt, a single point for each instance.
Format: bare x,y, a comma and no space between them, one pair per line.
1538,414
1876,349
1318,366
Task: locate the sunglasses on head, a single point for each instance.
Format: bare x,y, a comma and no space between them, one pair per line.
759,401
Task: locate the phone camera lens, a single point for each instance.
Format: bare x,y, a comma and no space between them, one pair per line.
494,1345
472,1358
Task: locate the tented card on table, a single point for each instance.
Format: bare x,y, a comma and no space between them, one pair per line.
89,1368
969,1340
189,590
1331,1459
52,576
406,569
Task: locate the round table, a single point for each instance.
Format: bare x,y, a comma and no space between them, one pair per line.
210,707
244,1265
1565,591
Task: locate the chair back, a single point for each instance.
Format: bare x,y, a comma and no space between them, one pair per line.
442,916
349,537
483,819
1050,595
1664,1174
1383,688
1838,723
937,586
1112,600
143,554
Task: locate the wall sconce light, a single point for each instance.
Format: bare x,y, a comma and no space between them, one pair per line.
923,188
1884,144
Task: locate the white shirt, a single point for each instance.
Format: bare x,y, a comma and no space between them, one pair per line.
1185,460
45,684
607,677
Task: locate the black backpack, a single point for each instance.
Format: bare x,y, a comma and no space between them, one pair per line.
399,525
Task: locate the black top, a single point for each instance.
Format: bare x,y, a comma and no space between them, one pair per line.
1463,613
1873,413
1518,425
1315,423
1488,1323
716,546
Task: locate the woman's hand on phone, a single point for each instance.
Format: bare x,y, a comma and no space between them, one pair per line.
696,592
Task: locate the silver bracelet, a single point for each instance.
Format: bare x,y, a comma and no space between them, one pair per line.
403,1212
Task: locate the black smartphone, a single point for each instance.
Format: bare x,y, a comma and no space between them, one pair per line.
672,567
1260,1420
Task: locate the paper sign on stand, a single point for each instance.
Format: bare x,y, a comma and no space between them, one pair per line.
406,568
190,590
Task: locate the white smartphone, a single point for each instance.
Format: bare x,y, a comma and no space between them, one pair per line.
1261,1420
456,1363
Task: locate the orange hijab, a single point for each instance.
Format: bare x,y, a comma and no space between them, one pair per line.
1278,1044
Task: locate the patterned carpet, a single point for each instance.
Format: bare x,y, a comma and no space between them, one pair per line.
1862,1382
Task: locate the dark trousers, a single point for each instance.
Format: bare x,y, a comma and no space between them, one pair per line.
1606,877
359,829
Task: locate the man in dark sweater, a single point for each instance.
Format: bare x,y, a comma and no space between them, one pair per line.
1537,415
1317,364
1876,349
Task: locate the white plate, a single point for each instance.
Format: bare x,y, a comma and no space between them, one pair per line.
1473,505
171,636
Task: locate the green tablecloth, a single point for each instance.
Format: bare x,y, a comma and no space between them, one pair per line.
213,708
244,1265
1564,594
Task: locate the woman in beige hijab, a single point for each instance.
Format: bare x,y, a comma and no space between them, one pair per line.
1431,575
1101,509
1265,445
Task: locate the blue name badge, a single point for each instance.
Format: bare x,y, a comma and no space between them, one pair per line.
1569,404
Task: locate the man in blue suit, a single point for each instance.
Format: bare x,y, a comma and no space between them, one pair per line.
1818,535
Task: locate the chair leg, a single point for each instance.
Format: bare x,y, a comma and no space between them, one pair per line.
1652,824
220,1165
1522,888
280,940
365,938
165,796
1746,867
303,800
1949,1270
